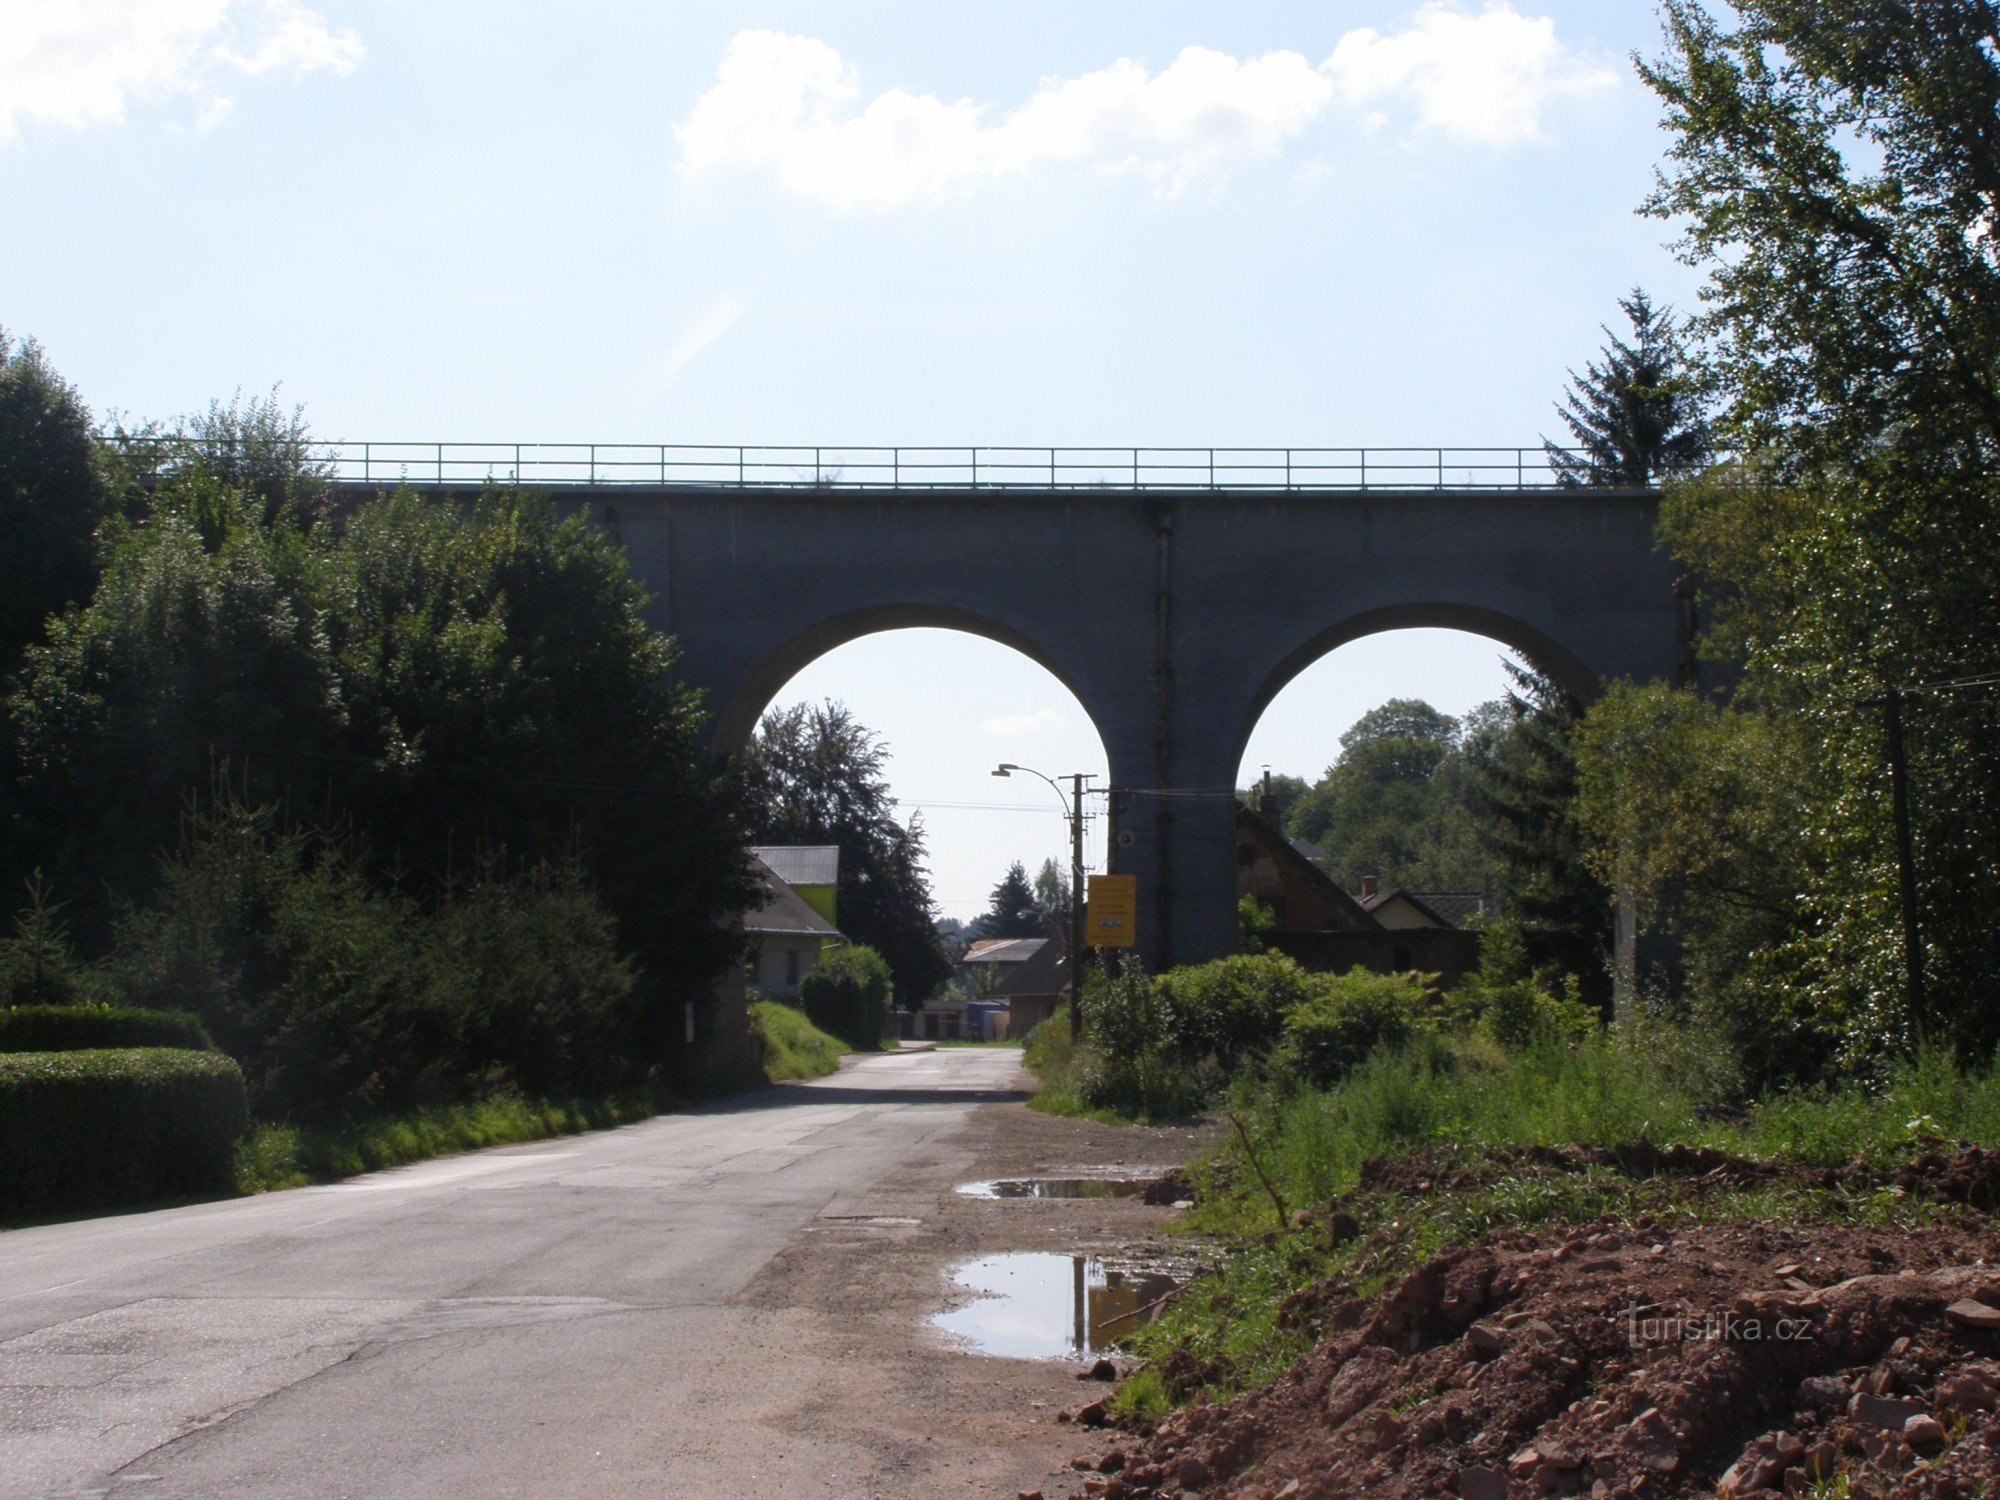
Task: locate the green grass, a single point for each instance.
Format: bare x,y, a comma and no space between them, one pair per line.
285,1156
793,1047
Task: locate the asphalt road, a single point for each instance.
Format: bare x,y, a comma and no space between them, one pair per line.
555,1319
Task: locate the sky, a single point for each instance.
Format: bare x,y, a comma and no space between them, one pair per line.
1128,222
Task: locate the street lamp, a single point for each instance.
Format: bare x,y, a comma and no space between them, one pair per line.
1073,810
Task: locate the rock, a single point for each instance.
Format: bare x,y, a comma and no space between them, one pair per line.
1790,1268
1885,1412
1972,1314
1027,1495
1924,1433
1194,1473
1112,1462
1097,1414
1822,1391
1526,1461
1822,1458
1102,1370
1486,1338
1477,1482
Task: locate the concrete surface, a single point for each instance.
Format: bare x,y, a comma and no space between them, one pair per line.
556,1319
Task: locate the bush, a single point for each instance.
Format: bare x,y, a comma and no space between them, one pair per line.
1129,1061
848,993
94,1129
1505,1000
79,1028
1231,1009
1349,1016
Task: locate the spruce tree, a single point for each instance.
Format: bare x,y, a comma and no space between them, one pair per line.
1634,419
1012,911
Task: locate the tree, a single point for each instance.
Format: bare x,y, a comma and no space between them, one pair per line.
1392,805
1837,167
813,775
53,497
1012,910
1052,895
1633,412
1523,788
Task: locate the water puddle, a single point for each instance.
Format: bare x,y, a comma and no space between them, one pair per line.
1036,1305
1080,1182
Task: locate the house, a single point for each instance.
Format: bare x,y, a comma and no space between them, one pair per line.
1030,984
786,934
1326,929
1401,910
813,870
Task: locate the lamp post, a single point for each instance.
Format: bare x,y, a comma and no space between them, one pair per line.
1073,810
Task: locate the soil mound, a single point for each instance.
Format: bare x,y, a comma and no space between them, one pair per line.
1628,1358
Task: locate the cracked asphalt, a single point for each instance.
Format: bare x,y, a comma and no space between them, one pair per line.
723,1302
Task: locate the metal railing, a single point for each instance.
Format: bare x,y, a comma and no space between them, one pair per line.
930,468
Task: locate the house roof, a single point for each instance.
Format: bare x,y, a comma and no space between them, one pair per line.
1446,908
1308,848
1003,950
1284,849
802,864
782,911
1043,972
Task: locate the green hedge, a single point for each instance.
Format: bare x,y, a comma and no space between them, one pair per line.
94,1129
81,1028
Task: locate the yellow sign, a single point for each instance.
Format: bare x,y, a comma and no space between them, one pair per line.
1111,915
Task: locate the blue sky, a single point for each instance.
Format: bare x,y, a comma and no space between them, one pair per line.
1150,223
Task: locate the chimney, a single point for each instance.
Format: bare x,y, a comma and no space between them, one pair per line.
1370,884
1267,804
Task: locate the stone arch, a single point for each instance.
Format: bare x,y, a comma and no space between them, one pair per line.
738,719
1540,649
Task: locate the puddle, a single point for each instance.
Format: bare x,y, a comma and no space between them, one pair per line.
1036,1305
1077,1183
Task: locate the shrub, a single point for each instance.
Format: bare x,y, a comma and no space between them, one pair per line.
848,993
1504,999
78,1028
37,964
1233,1008
92,1129
1129,1061
1350,1015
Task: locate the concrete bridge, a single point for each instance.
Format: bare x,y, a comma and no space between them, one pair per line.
1175,610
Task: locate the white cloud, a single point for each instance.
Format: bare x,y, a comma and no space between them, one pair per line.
78,63
1484,78
1014,726
793,106
713,323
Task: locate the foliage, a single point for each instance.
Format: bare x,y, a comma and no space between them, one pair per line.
1509,1003
790,1045
1395,803
1692,812
1233,1009
1836,171
1523,806
1634,413
1052,896
1255,922
343,996
96,1128
849,992
814,776
37,964
251,446
1012,911
1348,1016
53,497
1130,1061
94,1028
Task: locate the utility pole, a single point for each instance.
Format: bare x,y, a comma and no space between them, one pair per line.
1076,907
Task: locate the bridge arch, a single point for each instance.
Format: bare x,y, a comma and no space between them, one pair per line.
761,683
1537,647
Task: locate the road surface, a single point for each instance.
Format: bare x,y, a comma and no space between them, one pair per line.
562,1318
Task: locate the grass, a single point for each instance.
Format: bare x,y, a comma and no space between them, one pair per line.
271,1157
793,1047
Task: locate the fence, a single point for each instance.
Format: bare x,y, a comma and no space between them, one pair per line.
934,468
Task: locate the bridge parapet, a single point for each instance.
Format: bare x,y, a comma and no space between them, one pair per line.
711,466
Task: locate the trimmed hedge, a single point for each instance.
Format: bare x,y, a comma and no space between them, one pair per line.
90,1028
95,1129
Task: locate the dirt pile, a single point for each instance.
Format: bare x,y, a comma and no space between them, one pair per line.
1624,1358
